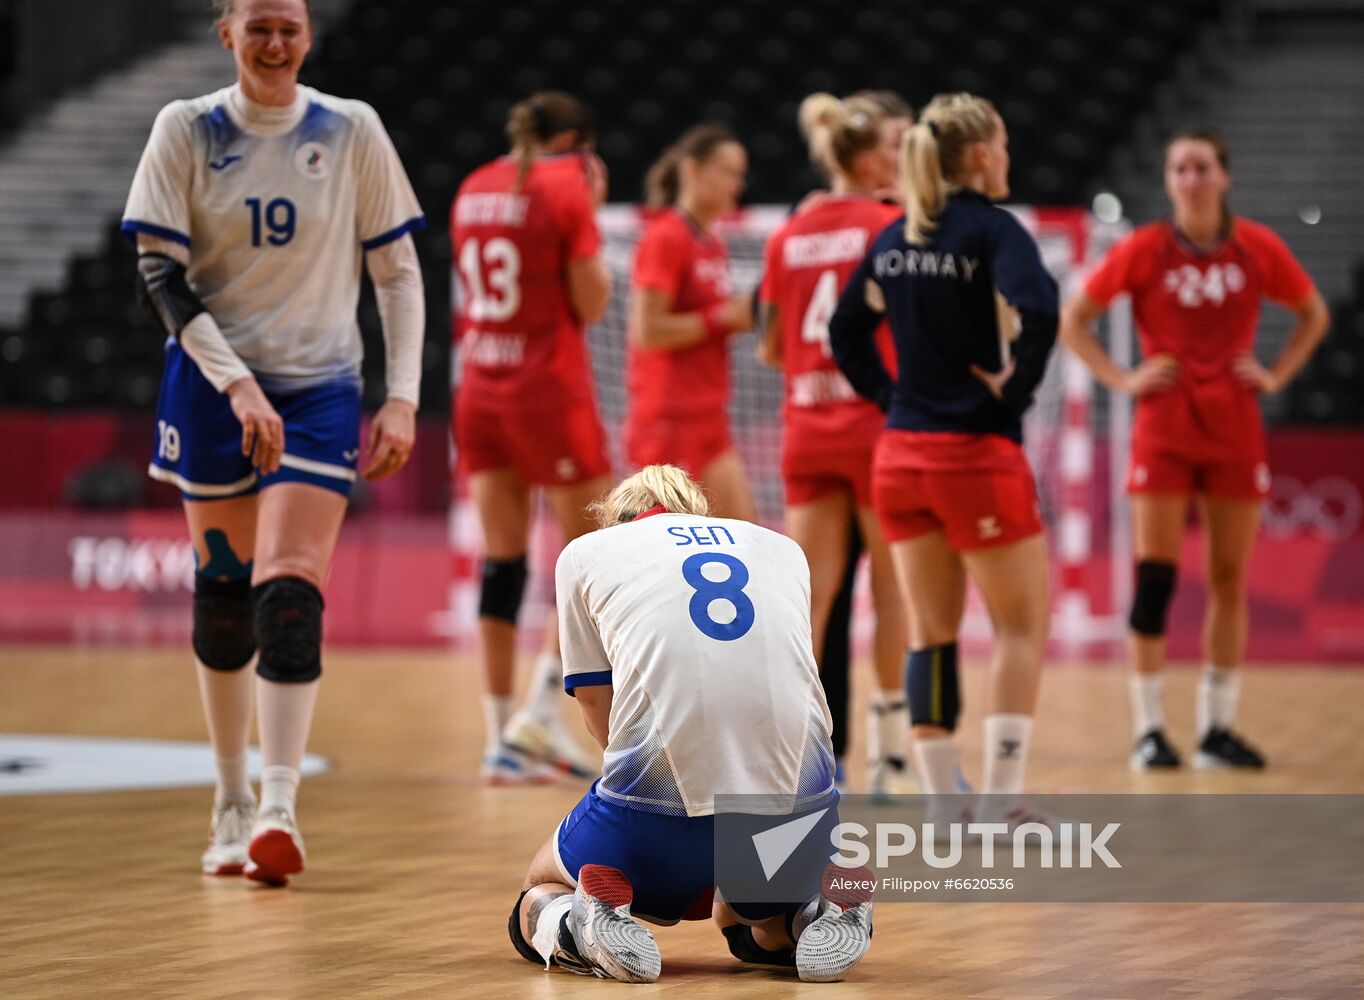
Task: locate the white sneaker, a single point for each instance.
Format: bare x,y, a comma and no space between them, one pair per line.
616,944
510,766
889,776
276,850
840,935
228,836
548,740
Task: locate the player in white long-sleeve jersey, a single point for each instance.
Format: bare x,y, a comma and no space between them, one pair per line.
254,209
686,640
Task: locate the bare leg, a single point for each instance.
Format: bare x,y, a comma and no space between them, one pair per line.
1158,521
297,527
502,500
820,528
725,481
1232,526
223,533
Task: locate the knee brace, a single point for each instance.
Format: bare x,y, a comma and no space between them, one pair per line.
1151,602
518,940
223,638
932,686
288,618
504,584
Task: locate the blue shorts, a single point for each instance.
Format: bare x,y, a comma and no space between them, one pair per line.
670,860
198,441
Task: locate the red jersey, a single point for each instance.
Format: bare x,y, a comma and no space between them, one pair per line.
806,264
516,335
1203,309
678,259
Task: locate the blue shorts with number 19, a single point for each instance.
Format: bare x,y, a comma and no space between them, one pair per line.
198,441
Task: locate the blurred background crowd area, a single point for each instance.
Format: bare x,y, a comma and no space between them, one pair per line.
1089,91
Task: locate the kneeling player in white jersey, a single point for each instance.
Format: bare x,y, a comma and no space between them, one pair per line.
254,210
682,636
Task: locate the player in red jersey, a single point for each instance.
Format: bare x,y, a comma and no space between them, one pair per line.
530,275
830,431
1196,281
682,314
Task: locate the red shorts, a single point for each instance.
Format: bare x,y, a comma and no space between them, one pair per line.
975,488
556,446
810,475
690,442
1154,470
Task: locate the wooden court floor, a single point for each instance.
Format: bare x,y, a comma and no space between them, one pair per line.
414,866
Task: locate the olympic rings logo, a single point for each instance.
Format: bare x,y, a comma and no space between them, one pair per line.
1331,508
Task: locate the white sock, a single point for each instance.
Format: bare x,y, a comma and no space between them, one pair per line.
1006,753
937,760
545,940
890,725
233,784
1148,703
1219,689
546,688
497,709
227,699
278,788
286,716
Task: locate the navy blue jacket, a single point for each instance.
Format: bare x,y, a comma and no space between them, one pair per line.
940,300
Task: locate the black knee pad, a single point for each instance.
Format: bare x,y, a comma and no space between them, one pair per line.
518,940
1151,602
504,584
223,633
288,618
932,686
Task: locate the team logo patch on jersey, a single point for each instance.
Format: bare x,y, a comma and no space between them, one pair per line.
988,527
313,160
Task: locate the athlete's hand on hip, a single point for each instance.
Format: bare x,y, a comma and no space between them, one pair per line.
1158,373
994,381
1255,375
262,428
392,435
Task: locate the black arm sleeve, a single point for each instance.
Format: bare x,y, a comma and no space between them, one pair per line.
163,291
1026,284
852,339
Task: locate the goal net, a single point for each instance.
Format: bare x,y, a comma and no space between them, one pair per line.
1069,432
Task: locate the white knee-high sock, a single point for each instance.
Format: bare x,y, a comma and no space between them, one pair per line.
1219,690
544,695
227,699
1006,752
545,938
1148,702
497,709
938,762
890,725
286,716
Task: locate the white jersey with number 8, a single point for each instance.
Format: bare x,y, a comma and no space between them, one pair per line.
702,627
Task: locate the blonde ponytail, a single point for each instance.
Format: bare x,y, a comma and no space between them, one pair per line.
933,156
652,486
836,131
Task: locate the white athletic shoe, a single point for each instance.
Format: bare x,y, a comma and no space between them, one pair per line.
276,850
509,766
616,944
889,776
228,836
840,934
548,740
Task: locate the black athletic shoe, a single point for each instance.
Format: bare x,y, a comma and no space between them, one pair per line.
1153,752
1223,748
